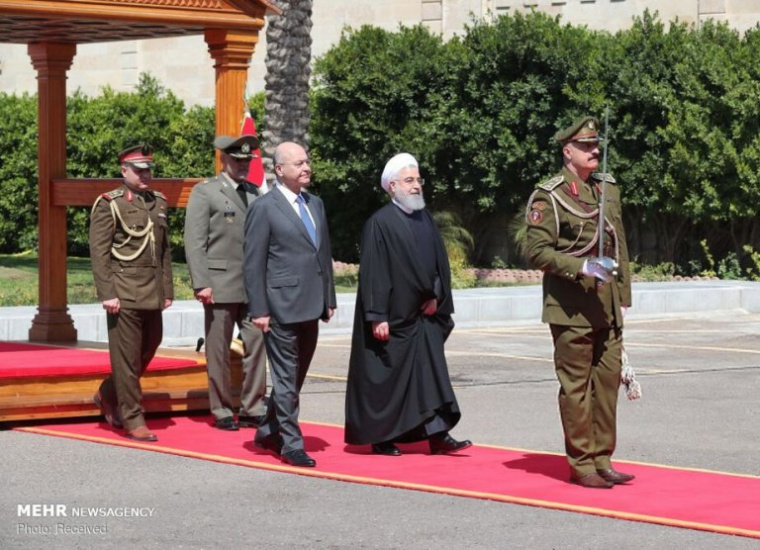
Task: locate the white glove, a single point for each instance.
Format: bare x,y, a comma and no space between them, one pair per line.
628,379
593,269
623,310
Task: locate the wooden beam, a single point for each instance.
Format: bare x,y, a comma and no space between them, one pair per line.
83,192
184,14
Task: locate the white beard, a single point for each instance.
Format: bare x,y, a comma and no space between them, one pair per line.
411,202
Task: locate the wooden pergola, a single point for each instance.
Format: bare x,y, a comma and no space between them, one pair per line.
52,29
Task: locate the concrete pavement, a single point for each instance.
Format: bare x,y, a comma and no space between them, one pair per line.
700,371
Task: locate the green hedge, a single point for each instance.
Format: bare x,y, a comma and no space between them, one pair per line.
479,112
98,128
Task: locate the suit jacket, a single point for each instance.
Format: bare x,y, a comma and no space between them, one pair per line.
214,230
286,276
562,221
126,263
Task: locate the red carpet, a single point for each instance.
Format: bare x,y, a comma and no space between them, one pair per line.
695,499
20,360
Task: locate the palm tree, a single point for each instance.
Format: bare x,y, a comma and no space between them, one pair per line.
457,240
287,80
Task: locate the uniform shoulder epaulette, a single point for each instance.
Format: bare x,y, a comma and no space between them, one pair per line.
552,184
603,177
160,195
111,195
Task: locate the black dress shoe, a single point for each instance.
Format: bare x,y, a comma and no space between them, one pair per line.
272,443
444,443
592,481
613,476
386,448
227,423
111,413
298,458
250,421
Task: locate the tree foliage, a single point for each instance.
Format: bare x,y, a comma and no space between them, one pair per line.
98,128
378,93
18,172
479,112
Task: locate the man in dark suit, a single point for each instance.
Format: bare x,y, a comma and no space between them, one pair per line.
214,226
289,281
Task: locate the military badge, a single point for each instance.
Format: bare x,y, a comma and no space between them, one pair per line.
538,206
535,217
245,148
229,214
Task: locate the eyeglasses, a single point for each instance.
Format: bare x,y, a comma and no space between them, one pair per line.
411,181
299,164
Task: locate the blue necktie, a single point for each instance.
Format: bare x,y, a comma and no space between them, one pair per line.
310,229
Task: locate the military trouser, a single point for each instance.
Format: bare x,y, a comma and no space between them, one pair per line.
133,338
220,322
588,364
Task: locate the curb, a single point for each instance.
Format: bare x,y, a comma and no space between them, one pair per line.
476,307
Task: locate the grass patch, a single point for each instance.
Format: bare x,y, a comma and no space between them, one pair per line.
19,281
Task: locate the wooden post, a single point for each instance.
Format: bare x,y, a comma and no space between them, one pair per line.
52,322
232,52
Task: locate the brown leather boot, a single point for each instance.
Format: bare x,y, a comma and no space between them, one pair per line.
592,481
141,433
613,476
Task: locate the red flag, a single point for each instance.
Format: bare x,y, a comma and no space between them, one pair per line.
256,171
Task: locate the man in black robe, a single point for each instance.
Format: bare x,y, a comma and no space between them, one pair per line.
399,388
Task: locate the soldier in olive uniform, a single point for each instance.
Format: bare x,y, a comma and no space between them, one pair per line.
585,296
214,227
131,265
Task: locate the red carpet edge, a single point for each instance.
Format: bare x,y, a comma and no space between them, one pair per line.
282,468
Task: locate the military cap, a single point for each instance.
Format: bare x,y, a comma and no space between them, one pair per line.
139,156
584,130
238,148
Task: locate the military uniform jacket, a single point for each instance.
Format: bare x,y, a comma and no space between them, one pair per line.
562,232
214,232
129,247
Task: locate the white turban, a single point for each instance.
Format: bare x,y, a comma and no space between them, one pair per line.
394,166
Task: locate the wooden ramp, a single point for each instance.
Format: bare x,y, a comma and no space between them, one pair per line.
180,384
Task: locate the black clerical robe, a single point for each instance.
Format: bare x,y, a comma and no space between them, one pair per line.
400,390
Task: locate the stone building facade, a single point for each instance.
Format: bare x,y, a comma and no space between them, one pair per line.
184,64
